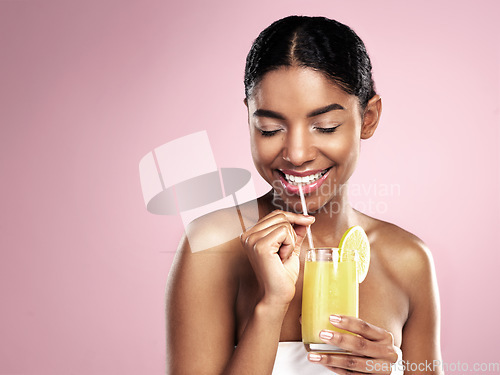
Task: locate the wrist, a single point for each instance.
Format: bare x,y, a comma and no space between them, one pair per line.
277,300
271,309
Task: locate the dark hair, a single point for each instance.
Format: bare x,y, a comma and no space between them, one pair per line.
319,43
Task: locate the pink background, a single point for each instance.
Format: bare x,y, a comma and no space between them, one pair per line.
89,87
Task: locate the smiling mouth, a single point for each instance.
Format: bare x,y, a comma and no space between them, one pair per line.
303,180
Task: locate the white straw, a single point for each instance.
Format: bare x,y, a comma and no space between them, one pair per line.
304,211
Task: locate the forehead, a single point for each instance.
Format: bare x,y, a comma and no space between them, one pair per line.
296,90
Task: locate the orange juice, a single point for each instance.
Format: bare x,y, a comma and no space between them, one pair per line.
330,287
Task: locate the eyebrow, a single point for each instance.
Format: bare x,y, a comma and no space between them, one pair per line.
328,108
316,112
268,113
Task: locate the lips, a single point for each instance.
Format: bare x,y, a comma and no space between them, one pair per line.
310,180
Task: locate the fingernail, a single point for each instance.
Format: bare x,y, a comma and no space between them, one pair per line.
335,319
308,217
313,357
327,335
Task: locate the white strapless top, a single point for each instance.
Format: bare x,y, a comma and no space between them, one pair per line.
291,359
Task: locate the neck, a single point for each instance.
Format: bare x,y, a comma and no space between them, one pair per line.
332,220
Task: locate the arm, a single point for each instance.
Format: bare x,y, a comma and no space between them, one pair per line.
202,292
421,338
200,322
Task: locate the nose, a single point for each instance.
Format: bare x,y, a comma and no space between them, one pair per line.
299,147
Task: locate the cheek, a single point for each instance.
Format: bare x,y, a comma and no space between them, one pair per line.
265,150
342,150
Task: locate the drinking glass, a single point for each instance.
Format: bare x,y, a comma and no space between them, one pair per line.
330,287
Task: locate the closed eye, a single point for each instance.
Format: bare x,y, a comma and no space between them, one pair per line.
268,133
328,130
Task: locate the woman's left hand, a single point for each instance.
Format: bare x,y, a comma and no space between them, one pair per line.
373,351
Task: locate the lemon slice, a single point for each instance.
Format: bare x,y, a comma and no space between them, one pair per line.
355,239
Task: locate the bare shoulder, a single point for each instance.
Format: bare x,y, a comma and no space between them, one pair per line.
212,242
402,253
218,229
210,249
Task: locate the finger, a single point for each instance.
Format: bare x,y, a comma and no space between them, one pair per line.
351,364
359,345
273,218
292,217
360,327
250,239
297,220
277,217
288,244
301,233
279,238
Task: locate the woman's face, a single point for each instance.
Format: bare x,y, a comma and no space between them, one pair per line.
304,130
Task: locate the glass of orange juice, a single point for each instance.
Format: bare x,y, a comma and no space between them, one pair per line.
330,287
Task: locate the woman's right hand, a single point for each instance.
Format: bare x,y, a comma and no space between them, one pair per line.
273,248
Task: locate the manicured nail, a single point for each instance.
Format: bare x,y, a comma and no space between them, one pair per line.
327,335
313,357
335,318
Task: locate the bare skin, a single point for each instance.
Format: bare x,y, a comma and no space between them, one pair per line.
247,291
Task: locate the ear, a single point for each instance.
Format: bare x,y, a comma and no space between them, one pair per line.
371,117
245,101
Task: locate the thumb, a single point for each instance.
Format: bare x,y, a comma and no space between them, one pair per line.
301,231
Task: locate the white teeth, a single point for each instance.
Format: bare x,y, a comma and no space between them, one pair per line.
295,180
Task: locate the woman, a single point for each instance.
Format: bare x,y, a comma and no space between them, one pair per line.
230,309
